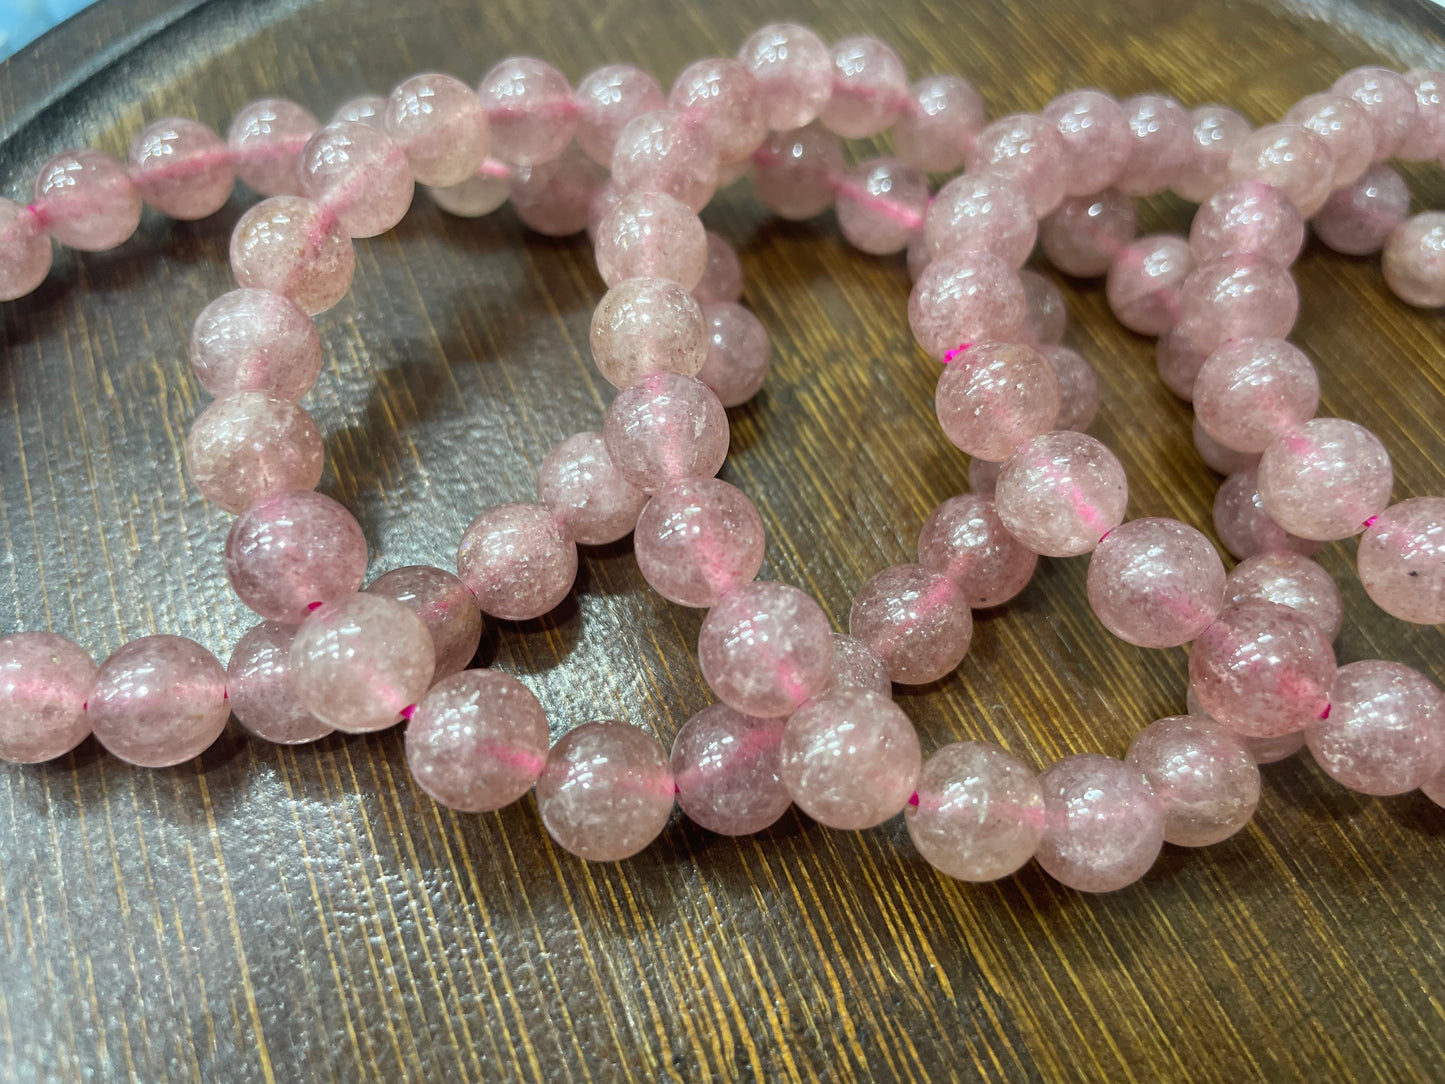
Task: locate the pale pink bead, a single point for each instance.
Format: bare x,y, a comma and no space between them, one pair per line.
159,701
1236,297
916,619
441,127
556,197
965,540
255,340
697,539
290,550
1203,775
1245,527
880,205
1060,493
293,247
995,396
979,813
765,648
478,741
584,489
251,444
44,682
1103,825
651,235
722,97
941,117
722,278
368,109
1178,361
1426,137
1294,159
664,151
1402,560
1161,144
1414,260
477,195
964,298
1389,100
1095,136
850,759
794,73
727,768
1216,131
1156,582
182,168
1263,750
665,427
608,99
606,792
856,666
647,325
1048,316
1217,457
1085,235
87,200
1078,387
1325,478
981,213
358,175
25,251
1028,152
258,683
1359,219
917,256
795,173
870,88
445,605
739,353
517,561
531,109
1145,281
266,138
983,476
1249,391
1288,579
1247,218
1385,732
1345,128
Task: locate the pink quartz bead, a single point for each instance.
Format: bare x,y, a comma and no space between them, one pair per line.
1414,260
856,666
1216,131
293,549
87,200
1178,361
606,792
531,109
1103,825
1161,144
1345,128
446,607
1359,219
1237,297
765,648
25,251
727,767
979,814
1202,774
368,109
1244,526
664,151
880,205
1078,387
651,235
1325,478
1426,137
1061,493
1294,159
1095,137
182,168
1087,233
1402,560
983,477
1247,218
917,256
1263,750
739,353
44,682
590,497
995,396
1048,316
1385,733
916,619
478,741
723,98
1249,391
795,173
870,88
359,175
1145,282
258,683
941,117
850,759
981,213
440,126
665,427
965,540
251,444
698,539
159,701
1389,101
1156,582
1288,579
647,325
266,138
556,197
608,99
794,74
1216,456
477,195
517,561
722,278
258,341
964,298
1028,152
293,247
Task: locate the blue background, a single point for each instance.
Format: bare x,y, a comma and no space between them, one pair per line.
22,21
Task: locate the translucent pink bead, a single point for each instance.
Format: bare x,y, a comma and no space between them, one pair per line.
1202,774
1402,560
1103,825
1060,493
1161,144
651,235
1078,387
1426,137
916,619
1027,151
1145,281
765,648
697,539
647,325
965,540
182,168
556,197
941,117
446,607
666,427
1359,219
979,813
608,99
44,682
1325,478
368,109
255,340
266,138
794,73
1249,391
292,549
258,683
478,195
870,88
1294,159
293,247
856,666
739,353
664,151
517,561
1178,361
1048,316
917,256
1414,260
478,741
441,127
983,476
584,489
159,701
722,278
531,109
359,176
1085,235
1345,128
981,213
795,173
850,759
1095,136
1237,297
880,205
1263,750
727,767
995,396
1288,579
1218,457
1245,527
606,792
249,445
1385,732
722,97
1156,582
1247,218
1217,131
87,200
25,252
964,298
1388,99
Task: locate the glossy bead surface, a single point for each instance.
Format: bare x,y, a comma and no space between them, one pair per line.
1402,560
651,235
529,104
88,200
870,88
249,445
1085,235
358,175
856,665
964,298
1249,391
1028,152
916,620
1202,774
266,138
722,97
1245,527
1160,147
1178,362
796,172
556,197
517,561
1325,478
1387,99
1344,127
941,117
739,353
1078,387
727,768
1288,580
25,251
880,205
478,195
1414,260
1095,137
291,246
1216,131
765,648
608,99
1156,582
255,340
446,607
292,549
1103,826
1061,493
981,212
368,109
263,697
1426,137
722,278
182,168
584,489
1385,733
995,396
794,73
965,540
1237,297
1294,159
665,151
441,127
980,812
1145,281
1216,456
647,325
159,701
44,682
665,427
1247,218
1048,316
1359,219
698,539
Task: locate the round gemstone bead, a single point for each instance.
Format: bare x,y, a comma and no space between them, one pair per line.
765,648
159,701
1161,143
1028,152
1387,99
880,205
1249,391
664,151
1145,281
665,427
1402,560
965,540
592,499
1263,750
182,168
796,172
964,298
698,539
1216,456
941,117
981,213
1156,582
856,665
738,353
293,549
995,396
1426,138
916,620
1061,493
723,98
556,197
979,814
728,771
249,445
1237,297
1291,157
44,682
647,325
794,74
983,477
291,246
1247,218
870,88
608,99
88,200
1325,478
1087,233
1414,260
368,109
1048,316
1359,219
446,607
1095,137
1078,387
477,195
651,235
25,251
359,176
255,340
517,561
1245,527
1216,131
1385,733
1178,362
262,694
265,139
441,127
722,278
1288,579
530,106
1345,128
1203,776
1103,825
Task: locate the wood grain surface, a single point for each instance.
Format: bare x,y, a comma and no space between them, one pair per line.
273,914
